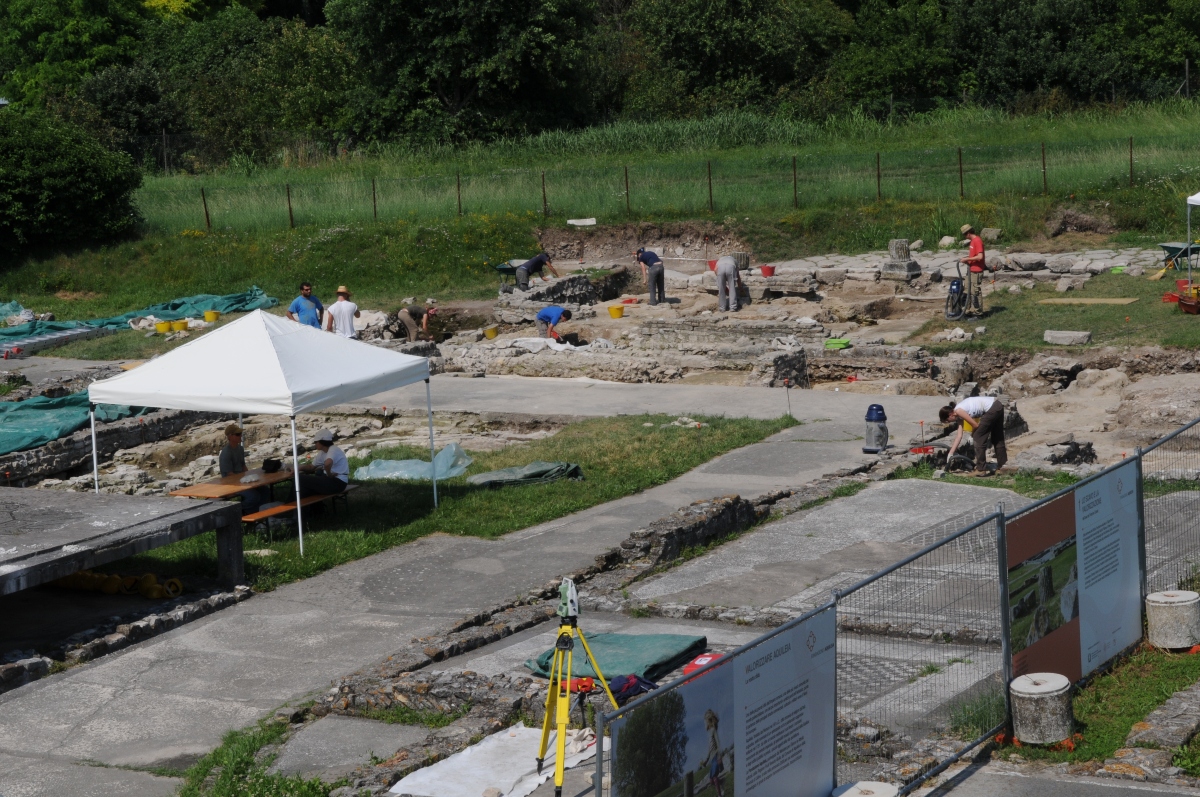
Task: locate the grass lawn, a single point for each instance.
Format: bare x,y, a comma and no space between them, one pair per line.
1018,321
1109,705
619,457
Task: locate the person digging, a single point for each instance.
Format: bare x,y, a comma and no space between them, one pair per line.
548,319
415,319
985,416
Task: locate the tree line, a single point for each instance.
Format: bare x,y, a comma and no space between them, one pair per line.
436,72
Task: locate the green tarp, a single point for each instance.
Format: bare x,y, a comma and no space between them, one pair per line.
533,473
187,307
37,421
648,655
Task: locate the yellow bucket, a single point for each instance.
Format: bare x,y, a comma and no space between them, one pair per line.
179,326
211,315
967,427
162,326
617,311
490,333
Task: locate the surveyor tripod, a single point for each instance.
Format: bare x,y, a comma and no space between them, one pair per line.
558,693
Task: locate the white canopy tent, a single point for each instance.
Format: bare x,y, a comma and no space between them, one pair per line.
266,365
1192,201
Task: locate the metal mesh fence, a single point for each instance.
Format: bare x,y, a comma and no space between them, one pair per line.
919,644
1171,510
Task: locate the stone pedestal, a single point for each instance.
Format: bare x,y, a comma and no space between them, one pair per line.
899,265
1173,619
866,788
1041,708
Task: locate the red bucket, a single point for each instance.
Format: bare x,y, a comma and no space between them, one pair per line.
921,450
712,265
768,271
1170,297
1181,285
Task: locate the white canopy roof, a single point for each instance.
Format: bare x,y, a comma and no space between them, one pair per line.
262,364
1194,199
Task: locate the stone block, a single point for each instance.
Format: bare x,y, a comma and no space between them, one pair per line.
991,234
1041,708
1061,265
899,270
831,276
947,242
1173,619
1028,261
1058,337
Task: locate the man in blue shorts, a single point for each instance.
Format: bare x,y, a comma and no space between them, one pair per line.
306,308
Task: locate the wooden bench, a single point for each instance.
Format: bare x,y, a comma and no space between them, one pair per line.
284,509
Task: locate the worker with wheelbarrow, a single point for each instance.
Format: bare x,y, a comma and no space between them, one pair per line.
534,266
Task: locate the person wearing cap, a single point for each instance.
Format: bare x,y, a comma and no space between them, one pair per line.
232,461
340,317
975,262
654,273
415,315
329,472
534,266
306,309
728,280
548,318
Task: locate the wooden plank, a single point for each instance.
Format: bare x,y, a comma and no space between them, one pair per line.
1088,301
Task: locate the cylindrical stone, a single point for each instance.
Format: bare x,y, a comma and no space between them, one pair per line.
1173,619
866,788
1041,708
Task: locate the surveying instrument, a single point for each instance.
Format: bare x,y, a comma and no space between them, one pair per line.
558,692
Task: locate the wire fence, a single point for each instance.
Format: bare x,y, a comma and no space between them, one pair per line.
1171,510
924,648
733,183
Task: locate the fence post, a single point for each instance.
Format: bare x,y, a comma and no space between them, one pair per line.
166,161
961,193
458,188
878,179
1131,161
795,186
1005,631
710,201
1045,188
627,208
291,218
374,201
598,786
204,201
545,206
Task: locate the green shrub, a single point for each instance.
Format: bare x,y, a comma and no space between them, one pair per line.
58,185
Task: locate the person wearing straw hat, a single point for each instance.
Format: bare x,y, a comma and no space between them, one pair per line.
976,263
330,470
232,461
339,316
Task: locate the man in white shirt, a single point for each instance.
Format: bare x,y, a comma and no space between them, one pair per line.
329,472
339,316
985,415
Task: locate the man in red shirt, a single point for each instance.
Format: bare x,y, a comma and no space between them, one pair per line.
974,258
976,265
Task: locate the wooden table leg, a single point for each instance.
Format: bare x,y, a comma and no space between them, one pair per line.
231,563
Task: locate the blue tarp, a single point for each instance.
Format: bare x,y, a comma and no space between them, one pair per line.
187,307
37,421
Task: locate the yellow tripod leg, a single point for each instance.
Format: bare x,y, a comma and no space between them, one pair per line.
551,697
596,667
562,716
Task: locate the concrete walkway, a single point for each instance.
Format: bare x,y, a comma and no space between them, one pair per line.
167,701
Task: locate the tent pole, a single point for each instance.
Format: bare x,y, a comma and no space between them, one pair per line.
296,479
432,464
1189,247
95,456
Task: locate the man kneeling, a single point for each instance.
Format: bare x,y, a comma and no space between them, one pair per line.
329,471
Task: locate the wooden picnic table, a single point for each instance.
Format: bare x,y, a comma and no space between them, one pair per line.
228,486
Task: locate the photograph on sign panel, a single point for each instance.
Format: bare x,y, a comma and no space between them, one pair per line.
679,743
1043,593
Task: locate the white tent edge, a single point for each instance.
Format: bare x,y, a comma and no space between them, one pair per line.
295,447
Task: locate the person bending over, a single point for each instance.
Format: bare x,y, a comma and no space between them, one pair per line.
985,415
548,319
534,266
